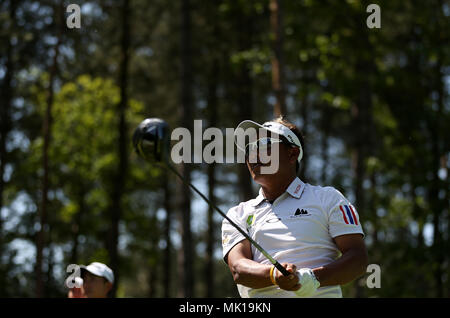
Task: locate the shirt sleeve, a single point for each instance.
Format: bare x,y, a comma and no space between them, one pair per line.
231,236
342,215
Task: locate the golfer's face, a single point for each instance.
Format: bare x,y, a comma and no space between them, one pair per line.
95,286
260,160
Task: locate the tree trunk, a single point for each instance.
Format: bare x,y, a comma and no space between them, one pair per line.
276,25
49,283
325,123
119,182
186,258
42,212
6,96
76,225
374,203
151,282
244,87
417,212
305,117
360,113
447,206
212,108
167,225
362,125
436,204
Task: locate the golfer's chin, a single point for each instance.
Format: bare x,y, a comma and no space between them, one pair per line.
258,176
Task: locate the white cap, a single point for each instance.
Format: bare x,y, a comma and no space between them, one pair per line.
100,269
273,127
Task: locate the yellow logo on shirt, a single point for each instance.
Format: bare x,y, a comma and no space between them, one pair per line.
226,239
250,220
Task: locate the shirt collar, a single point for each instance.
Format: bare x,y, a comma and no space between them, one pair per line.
259,199
295,189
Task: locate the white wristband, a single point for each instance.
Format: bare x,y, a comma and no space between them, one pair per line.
308,281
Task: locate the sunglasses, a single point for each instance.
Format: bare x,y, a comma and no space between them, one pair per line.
263,143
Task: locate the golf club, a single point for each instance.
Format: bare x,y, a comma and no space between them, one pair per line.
151,142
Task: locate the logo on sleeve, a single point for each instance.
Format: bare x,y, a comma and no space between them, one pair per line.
349,214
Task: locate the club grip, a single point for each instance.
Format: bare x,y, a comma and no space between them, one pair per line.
281,269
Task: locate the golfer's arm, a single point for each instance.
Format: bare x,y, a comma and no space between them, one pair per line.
245,271
349,266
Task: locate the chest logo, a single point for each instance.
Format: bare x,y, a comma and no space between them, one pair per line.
299,212
250,220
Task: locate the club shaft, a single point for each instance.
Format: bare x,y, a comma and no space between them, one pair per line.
255,244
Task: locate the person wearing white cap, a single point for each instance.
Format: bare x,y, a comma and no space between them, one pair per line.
98,280
313,231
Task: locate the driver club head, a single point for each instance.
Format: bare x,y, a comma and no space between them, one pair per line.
151,140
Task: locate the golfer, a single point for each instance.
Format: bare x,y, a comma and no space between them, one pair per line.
98,280
313,231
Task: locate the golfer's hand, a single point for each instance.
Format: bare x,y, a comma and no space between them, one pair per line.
288,282
76,293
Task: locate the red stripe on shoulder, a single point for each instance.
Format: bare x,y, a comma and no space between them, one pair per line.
343,214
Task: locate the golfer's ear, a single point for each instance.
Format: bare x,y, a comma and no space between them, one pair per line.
109,286
294,153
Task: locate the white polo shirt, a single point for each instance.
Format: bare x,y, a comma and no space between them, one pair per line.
297,228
